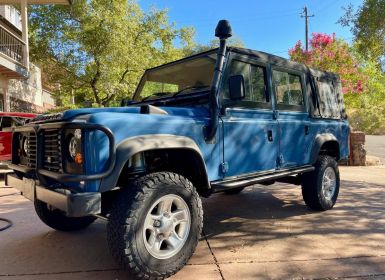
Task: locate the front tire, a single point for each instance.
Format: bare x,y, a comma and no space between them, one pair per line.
154,225
56,219
320,187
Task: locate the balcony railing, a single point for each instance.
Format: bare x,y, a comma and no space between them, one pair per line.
12,46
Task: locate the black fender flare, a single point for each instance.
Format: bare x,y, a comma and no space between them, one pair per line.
320,140
133,145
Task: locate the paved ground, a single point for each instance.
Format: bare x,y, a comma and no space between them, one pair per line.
262,233
375,146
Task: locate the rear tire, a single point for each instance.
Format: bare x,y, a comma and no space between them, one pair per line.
56,219
154,225
320,187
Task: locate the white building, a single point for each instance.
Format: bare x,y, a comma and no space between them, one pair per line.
11,14
20,83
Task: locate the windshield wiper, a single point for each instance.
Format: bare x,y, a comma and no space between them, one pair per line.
159,94
188,88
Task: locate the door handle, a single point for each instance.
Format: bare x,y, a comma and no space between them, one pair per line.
270,135
306,129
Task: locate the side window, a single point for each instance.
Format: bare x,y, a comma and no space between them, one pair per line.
240,68
6,122
288,88
255,84
328,100
258,84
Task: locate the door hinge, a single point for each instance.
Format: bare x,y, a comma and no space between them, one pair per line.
280,160
224,167
275,114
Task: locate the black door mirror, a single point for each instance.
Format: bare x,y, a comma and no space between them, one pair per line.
237,87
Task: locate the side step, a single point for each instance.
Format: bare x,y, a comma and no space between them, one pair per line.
248,180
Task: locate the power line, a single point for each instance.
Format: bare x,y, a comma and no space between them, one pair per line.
247,18
306,16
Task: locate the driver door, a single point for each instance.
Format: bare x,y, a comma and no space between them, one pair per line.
250,141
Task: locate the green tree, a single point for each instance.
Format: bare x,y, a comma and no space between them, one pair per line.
98,49
233,41
367,23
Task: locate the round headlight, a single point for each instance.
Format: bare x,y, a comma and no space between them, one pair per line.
73,146
24,145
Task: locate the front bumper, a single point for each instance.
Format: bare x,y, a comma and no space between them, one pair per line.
73,204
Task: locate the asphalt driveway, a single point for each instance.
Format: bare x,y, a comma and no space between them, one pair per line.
262,233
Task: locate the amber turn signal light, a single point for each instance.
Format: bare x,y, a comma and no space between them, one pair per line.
79,158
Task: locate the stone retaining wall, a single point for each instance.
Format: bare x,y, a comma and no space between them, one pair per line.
357,150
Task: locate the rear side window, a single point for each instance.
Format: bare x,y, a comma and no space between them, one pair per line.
256,94
327,99
288,89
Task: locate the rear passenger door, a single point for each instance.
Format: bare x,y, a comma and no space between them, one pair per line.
250,142
293,119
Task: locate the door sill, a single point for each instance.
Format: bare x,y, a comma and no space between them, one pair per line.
259,177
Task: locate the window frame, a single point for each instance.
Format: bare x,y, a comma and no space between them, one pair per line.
242,104
288,107
140,85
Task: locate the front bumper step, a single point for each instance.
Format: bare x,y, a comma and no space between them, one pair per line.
73,204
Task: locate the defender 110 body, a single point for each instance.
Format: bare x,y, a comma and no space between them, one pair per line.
217,121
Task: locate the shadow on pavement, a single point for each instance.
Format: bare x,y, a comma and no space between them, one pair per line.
263,223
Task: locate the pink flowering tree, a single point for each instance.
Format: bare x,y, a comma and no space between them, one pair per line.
330,54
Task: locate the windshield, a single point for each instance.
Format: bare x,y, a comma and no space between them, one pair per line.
183,77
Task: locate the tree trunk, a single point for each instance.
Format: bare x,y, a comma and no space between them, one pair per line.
94,82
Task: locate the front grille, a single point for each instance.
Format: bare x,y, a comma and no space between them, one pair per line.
52,151
27,148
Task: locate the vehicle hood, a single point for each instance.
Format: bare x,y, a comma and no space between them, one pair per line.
129,122
125,112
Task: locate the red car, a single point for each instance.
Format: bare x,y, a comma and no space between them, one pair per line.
7,121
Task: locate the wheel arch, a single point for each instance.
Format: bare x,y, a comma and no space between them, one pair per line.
159,142
325,144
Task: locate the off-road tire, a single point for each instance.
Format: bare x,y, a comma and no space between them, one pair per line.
127,215
56,219
312,185
233,191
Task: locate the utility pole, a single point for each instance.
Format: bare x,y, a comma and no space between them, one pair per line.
306,16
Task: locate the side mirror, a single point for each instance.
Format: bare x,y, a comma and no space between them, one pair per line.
237,87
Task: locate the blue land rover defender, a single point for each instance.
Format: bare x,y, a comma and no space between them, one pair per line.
214,122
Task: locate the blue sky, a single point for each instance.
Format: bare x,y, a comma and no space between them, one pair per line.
271,26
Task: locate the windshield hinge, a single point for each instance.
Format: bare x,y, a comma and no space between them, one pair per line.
275,114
